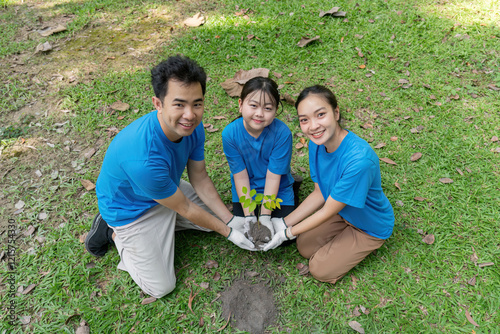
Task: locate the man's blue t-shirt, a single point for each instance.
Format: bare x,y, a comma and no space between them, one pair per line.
351,175
142,164
272,151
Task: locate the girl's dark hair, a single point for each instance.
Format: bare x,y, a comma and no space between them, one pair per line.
178,68
321,91
264,85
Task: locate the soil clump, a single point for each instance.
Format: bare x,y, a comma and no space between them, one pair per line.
258,234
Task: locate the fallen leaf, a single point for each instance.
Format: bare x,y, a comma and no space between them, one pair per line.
469,317
25,319
251,273
83,237
420,199
201,323
51,30
87,185
474,256
485,264
445,180
227,322
148,300
330,12
195,21
120,106
234,86
29,289
472,281
494,139
459,171
31,229
298,146
493,87
211,264
42,216
83,328
356,326
416,156
204,285
89,153
112,131
277,75
43,47
210,128
304,270
191,297
403,81
388,161
397,186
362,66
429,239
302,140
380,145
304,41
219,117
288,98
216,276
19,205
90,265
394,138
367,126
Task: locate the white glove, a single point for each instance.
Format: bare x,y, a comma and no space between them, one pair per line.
279,238
237,238
237,223
248,219
279,224
266,221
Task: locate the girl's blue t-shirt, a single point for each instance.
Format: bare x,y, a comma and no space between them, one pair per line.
351,175
272,151
142,164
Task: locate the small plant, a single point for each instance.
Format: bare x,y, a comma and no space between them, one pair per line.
271,202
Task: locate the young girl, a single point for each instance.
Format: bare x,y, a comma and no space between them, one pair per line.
347,216
258,148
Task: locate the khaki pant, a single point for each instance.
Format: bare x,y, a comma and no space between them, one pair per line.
146,246
334,248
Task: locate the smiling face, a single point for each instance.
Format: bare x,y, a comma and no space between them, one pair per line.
258,111
181,110
319,121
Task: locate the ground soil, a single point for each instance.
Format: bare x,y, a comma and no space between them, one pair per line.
258,234
250,305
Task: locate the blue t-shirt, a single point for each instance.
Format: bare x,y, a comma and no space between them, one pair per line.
351,175
142,164
272,151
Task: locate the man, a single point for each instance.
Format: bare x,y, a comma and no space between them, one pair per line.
141,197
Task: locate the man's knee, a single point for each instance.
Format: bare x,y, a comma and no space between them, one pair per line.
159,290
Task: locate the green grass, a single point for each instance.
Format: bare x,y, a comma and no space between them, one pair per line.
407,286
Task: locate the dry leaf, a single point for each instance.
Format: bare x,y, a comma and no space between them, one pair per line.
459,171
190,302
445,180
201,323
420,199
120,106
87,185
357,327
19,205
472,281
362,66
485,264
31,229
89,153
277,75
468,316
397,186
330,12
211,264
302,140
234,86
29,289
195,21
83,237
216,276
304,270
288,98
416,156
429,239
25,319
42,216
394,138
148,300
51,30
494,139
304,41
379,145
367,126
43,47
388,161
219,117
83,328
227,322
403,81
298,146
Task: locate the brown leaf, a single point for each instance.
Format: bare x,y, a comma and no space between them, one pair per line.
494,139
211,264
148,300
234,86
90,265
397,186
120,106
29,289
367,126
298,146
302,140
388,161
468,316
25,319
31,229
89,153
43,47
251,273
445,180
87,185
190,302
195,21
204,285
304,270
459,171
379,145
357,327
304,41
485,264
288,98
394,138
210,128
51,30
472,281
429,239
83,237
403,81
420,199
330,12
362,66
416,156
354,280
112,131
493,87
201,323
227,322
219,117
216,276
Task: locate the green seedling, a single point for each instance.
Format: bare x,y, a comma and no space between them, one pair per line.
271,202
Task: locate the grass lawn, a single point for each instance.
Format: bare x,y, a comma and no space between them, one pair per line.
410,77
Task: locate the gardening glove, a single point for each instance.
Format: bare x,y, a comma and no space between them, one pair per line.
238,223
266,221
248,220
279,238
279,224
237,238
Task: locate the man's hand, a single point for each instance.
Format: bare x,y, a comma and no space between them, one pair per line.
279,238
266,221
279,224
239,240
237,223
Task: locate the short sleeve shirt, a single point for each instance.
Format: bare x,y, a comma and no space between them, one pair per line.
272,151
140,165
351,175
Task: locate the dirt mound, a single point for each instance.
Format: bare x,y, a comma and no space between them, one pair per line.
251,306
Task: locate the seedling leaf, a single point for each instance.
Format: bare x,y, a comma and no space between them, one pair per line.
253,192
259,197
244,189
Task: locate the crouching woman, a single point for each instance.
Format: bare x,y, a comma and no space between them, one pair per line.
347,216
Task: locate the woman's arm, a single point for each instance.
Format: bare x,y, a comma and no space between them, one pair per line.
312,203
331,208
241,180
271,188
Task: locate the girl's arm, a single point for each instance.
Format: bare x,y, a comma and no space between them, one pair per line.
271,188
331,208
241,180
312,203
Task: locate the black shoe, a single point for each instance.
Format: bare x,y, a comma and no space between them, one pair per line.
99,237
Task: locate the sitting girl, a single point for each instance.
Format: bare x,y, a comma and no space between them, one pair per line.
347,216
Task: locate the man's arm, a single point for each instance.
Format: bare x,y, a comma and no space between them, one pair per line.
205,189
189,210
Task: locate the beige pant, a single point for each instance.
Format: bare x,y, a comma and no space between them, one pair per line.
146,246
334,248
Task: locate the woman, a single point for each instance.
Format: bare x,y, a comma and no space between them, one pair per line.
347,216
